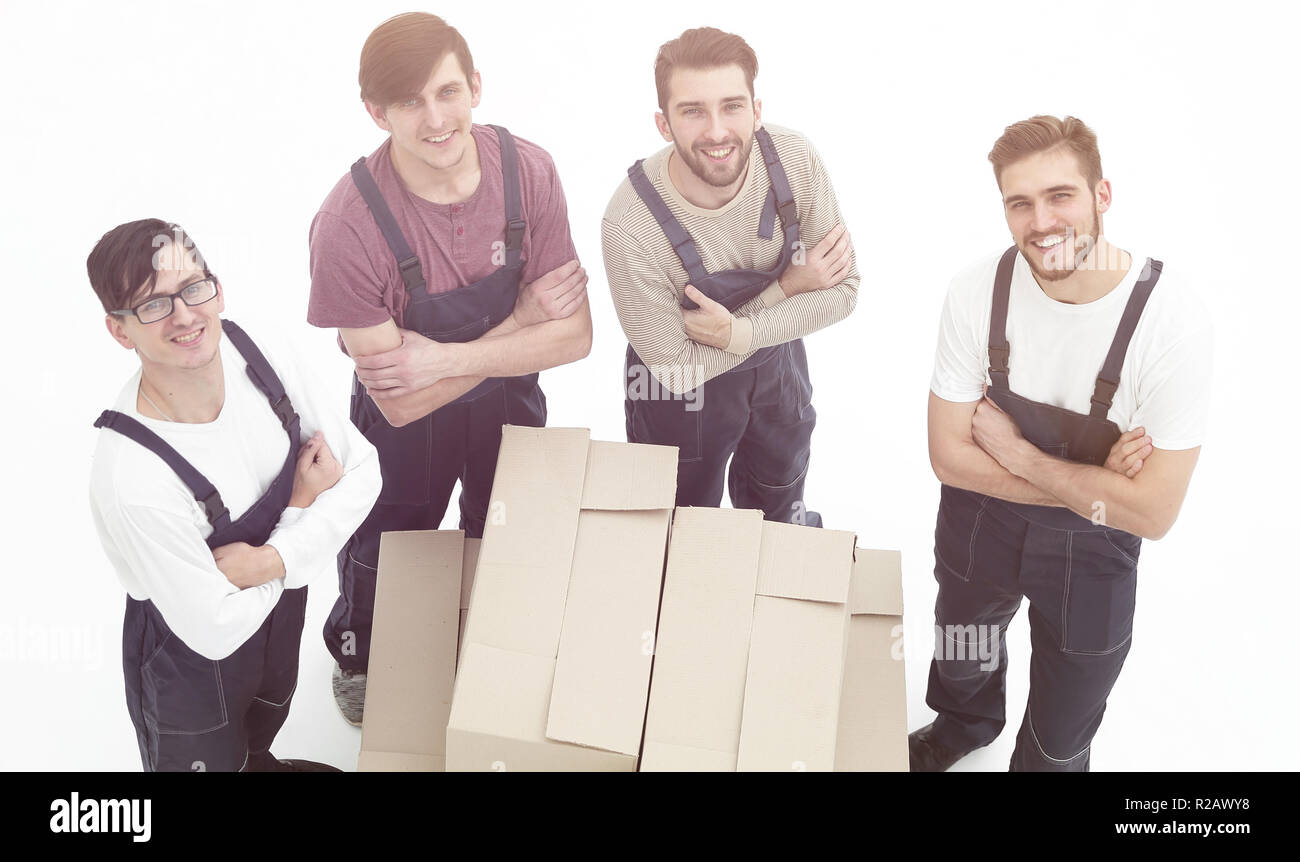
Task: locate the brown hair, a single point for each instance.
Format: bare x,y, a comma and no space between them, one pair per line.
125,259
1041,133
703,48
401,54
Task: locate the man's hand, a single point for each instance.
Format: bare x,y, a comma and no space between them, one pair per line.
710,323
417,364
825,266
1129,452
997,434
317,470
554,296
246,566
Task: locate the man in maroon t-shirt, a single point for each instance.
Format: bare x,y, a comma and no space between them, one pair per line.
445,262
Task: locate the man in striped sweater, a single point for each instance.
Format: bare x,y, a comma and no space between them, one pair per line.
722,251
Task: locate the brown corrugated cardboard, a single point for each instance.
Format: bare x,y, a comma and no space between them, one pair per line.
555,660
753,641
411,670
702,646
873,710
759,620
797,650
751,644
609,623
466,584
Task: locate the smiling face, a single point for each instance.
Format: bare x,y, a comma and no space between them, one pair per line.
431,128
190,337
711,119
1054,217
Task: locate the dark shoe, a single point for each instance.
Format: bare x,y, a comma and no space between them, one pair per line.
304,766
926,754
349,693
265,761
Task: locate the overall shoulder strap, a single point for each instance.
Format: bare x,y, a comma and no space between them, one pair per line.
407,263
681,241
262,374
999,348
203,490
782,194
767,217
1103,394
515,224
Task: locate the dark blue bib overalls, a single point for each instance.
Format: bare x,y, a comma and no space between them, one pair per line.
421,462
1080,577
195,714
759,414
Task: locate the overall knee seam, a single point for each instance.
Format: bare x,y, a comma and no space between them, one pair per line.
1029,719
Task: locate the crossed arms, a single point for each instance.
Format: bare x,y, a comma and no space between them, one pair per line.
976,446
410,376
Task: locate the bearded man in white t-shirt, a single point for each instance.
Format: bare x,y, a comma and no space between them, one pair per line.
1067,411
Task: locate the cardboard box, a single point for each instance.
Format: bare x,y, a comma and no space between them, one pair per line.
555,659
873,707
775,650
466,584
412,652
753,633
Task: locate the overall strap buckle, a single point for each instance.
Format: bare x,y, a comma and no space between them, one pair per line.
998,359
283,408
214,508
412,273
788,211
515,229
1103,395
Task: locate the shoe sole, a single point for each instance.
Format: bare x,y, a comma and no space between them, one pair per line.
344,716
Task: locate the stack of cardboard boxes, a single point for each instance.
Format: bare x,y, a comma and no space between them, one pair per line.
609,631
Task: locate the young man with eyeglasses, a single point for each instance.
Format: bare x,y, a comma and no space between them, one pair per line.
222,483
445,262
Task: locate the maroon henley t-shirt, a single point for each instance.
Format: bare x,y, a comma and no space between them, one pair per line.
355,282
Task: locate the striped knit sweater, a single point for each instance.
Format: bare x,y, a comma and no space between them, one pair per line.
647,279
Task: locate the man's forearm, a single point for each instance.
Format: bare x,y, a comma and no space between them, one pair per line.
786,319
973,469
407,408
524,350
506,350
1093,492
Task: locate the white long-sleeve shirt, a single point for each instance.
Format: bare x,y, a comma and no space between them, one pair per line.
154,531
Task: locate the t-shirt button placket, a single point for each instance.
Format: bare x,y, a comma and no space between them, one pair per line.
458,233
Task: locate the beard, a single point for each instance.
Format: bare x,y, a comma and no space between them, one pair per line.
1076,249
719,176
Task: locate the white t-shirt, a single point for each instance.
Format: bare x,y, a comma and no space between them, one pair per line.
154,531
1057,349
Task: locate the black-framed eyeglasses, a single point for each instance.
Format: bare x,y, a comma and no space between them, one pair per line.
157,308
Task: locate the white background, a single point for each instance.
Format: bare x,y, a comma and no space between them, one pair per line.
235,120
